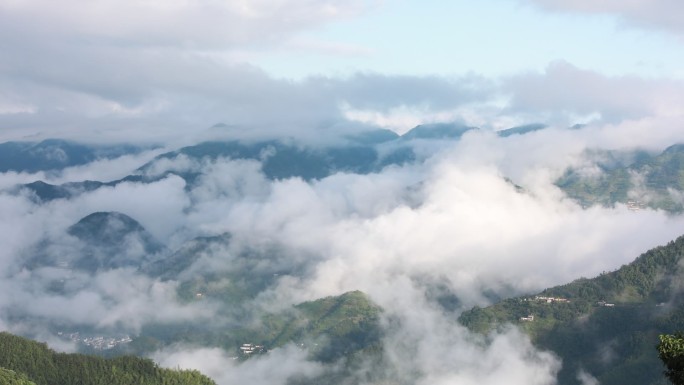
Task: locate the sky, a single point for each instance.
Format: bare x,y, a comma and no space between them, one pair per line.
166,71
491,38
101,70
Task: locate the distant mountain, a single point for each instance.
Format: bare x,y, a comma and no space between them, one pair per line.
521,130
112,240
373,137
282,159
608,325
437,131
26,362
243,275
171,266
56,154
105,240
46,192
637,178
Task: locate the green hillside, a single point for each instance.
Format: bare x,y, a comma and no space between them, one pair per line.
607,325
23,361
637,178
10,377
330,328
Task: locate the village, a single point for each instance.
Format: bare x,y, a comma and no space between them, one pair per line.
634,205
539,298
251,349
544,299
97,342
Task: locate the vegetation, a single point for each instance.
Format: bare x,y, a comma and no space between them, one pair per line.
329,328
608,325
671,352
654,181
10,377
27,362
349,322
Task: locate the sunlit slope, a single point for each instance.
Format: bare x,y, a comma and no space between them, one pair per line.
329,328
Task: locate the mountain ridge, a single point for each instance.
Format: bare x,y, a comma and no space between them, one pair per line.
619,312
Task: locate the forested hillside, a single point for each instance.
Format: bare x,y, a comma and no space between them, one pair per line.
608,325
329,328
638,179
23,361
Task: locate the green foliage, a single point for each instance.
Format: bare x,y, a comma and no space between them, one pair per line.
671,352
10,377
34,362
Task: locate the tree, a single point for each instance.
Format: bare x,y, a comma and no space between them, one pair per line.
671,352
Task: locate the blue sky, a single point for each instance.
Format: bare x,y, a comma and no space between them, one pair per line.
175,66
491,38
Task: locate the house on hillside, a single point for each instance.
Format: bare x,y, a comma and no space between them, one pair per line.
249,349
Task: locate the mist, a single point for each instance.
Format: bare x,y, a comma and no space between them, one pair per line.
475,216
479,217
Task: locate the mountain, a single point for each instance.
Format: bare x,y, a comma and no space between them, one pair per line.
521,130
56,154
607,325
112,240
437,131
46,192
331,328
638,179
283,159
171,266
373,137
349,323
25,362
103,240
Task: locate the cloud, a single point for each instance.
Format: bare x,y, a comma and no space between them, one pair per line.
178,23
277,367
452,219
88,68
164,71
115,300
566,89
659,14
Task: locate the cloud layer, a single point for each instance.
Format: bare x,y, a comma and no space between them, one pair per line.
452,221
455,221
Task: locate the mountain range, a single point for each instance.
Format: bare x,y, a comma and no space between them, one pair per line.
606,326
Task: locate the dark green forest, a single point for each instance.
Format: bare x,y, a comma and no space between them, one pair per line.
608,325
23,361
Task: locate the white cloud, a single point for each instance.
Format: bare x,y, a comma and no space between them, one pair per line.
566,89
275,368
660,14
196,25
453,219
